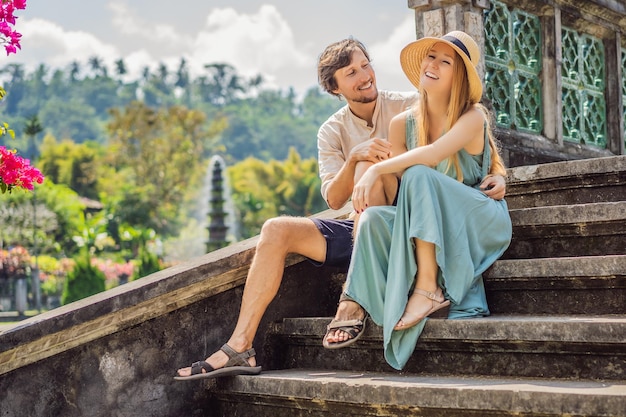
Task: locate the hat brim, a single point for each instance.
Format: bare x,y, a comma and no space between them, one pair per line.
413,54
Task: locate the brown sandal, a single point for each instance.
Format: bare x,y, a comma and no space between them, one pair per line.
439,308
354,328
237,365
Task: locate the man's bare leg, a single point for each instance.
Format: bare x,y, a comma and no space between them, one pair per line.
279,237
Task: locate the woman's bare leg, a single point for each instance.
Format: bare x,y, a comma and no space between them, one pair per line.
418,305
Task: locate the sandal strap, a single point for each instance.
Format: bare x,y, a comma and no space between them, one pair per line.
197,367
431,295
237,358
340,324
351,330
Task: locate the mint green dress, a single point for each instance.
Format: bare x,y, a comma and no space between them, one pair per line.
470,232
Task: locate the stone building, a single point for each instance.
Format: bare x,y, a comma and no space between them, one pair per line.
554,71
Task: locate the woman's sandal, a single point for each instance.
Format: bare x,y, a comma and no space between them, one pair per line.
353,327
237,365
439,308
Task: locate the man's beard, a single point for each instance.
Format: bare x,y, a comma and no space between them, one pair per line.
365,100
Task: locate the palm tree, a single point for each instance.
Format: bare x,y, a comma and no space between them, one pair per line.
95,62
120,67
145,73
74,71
225,82
31,129
182,81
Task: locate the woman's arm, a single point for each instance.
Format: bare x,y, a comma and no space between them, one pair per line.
467,131
397,134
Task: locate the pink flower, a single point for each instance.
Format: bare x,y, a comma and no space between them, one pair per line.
19,4
16,172
9,37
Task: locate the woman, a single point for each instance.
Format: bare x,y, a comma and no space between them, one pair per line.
426,255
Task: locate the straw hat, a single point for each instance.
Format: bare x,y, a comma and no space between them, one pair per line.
414,53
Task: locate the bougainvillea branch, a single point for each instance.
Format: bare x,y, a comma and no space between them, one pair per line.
9,37
16,172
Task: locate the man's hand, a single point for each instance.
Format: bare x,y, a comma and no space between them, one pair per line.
373,150
494,186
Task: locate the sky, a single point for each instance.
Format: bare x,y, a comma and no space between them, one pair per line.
279,39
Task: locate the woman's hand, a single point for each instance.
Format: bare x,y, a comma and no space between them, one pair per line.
494,186
363,188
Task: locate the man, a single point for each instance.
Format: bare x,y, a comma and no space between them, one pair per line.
350,140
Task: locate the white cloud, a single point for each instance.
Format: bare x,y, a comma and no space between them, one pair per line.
165,37
257,41
253,43
49,43
386,57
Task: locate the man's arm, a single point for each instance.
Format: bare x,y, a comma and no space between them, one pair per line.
339,189
494,186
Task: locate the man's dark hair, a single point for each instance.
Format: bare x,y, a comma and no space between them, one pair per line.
336,55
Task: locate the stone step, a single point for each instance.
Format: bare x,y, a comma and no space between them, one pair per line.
574,285
570,182
569,285
319,392
592,229
566,347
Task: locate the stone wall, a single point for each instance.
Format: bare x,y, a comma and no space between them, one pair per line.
115,353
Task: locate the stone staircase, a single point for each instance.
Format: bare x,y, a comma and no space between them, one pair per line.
555,344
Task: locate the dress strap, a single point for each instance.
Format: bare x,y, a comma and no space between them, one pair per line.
486,154
410,134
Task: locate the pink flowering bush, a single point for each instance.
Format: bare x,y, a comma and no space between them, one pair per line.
9,36
16,172
14,262
114,272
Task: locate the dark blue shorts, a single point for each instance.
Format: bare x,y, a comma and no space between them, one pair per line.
338,235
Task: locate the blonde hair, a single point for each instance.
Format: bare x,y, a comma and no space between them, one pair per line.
458,105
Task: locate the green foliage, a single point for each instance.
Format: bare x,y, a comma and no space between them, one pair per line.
160,152
268,125
262,190
144,162
69,212
50,287
72,119
148,263
54,218
83,280
77,165
52,272
74,103
4,126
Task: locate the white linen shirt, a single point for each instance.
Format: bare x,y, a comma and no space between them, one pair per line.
343,131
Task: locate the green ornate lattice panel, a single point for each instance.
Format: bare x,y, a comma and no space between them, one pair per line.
512,67
624,91
582,71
